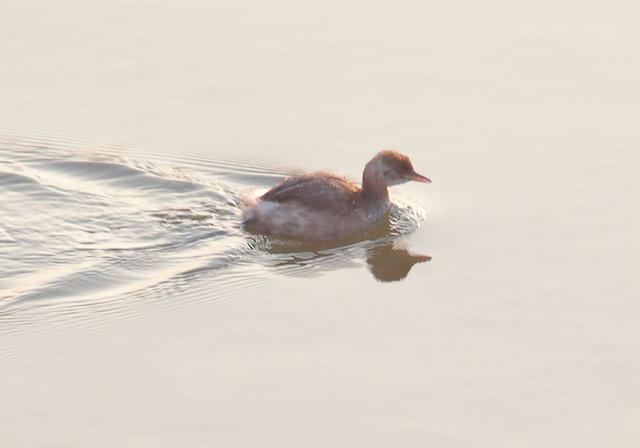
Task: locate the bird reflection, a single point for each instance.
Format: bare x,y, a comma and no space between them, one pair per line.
386,259
389,264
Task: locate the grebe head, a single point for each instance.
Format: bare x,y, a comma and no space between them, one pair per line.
392,168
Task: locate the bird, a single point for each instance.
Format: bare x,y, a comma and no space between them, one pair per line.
322,206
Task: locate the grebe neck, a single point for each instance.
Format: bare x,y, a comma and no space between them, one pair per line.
374,188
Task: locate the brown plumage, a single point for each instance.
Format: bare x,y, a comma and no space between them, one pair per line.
318,191
322,206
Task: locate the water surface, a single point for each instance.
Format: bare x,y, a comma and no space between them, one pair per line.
135,312
87,227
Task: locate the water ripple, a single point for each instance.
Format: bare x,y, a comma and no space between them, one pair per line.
87,228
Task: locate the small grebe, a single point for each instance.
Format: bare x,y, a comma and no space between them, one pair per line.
323,207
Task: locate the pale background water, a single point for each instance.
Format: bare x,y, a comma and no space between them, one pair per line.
135,312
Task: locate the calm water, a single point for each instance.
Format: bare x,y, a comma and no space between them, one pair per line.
497,307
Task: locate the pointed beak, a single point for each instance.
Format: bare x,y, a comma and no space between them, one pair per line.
419,178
